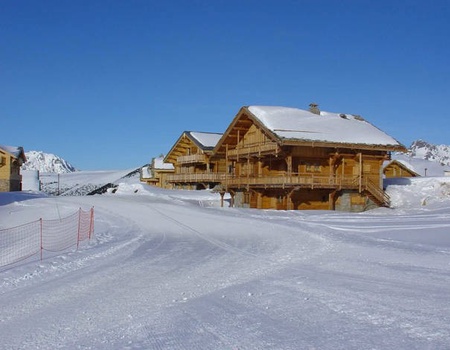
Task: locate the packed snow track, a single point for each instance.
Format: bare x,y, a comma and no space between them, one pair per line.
171,274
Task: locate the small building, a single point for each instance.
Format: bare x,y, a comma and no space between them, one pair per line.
397,168
11,158
191,159
156,173
288,158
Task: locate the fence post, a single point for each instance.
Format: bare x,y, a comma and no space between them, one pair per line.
91,223
42,241
79,227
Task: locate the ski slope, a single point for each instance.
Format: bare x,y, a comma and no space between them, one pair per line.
173,270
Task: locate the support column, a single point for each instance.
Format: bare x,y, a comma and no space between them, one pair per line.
289,204
222,194
258,200
360,171
232,199
331,200
289,165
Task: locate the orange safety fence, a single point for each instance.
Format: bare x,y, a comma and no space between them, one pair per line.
34,238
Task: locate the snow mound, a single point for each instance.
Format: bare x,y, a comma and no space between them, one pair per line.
418,192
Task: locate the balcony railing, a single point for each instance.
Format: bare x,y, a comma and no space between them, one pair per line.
252,150
309,180
192,158
285,181
303,180
197,178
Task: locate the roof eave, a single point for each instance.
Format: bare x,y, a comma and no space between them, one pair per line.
315,143
244,111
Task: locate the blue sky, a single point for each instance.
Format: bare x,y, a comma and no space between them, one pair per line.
111,84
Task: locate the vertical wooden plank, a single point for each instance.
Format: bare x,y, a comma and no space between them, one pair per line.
360,172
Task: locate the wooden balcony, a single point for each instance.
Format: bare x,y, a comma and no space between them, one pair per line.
287,181
253,150
196,178
312,181
192,158
302,180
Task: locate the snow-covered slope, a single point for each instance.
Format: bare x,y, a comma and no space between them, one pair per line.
164,272
81,183
47,163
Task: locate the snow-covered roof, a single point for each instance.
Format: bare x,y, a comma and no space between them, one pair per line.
298,124
158,163
423,167
146,172
15,151
401,162
205,139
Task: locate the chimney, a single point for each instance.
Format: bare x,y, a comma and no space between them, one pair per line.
314,108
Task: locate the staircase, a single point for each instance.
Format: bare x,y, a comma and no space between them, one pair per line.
377,194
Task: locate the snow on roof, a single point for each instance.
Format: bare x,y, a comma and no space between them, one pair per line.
158,163
297,124
206,139
15,151
423,167
146,172
406,164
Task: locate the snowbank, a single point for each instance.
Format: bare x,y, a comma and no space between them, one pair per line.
418,192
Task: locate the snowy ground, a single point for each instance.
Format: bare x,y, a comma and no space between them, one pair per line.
173,270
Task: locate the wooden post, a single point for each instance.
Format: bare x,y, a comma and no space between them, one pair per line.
289,165
331,165
226,167
222,193
360,172
331,198
248,171
237,147
258,200
289,201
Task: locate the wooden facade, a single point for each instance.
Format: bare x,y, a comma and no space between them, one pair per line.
157,172
191,158
267,171
11,158
398,169
285,158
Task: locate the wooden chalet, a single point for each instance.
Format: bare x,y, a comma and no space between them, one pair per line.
191,159
11,158
156,173
396,168
287,158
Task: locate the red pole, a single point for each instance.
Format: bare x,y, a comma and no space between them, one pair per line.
79,224
91,228
91,224
42,244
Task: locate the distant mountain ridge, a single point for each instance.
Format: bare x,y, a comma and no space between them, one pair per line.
435,153
47,163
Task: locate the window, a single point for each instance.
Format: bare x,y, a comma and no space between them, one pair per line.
313,168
